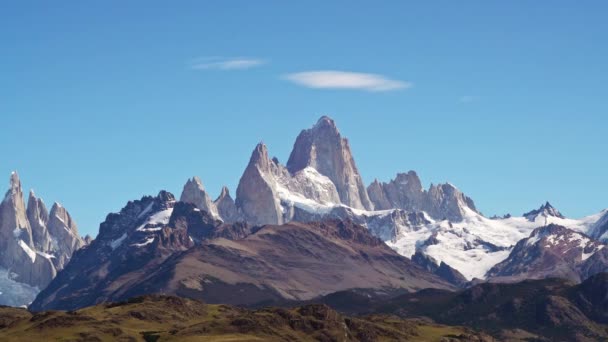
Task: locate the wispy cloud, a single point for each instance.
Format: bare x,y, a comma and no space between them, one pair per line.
220,63
332,79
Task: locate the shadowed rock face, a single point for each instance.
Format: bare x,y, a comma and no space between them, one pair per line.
323,149
443,270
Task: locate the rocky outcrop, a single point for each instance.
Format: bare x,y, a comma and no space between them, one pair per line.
257,195
546,210
226,207
404,192
441,269
64,235
443,201
194,192
16,244
323,149
38,216
447,201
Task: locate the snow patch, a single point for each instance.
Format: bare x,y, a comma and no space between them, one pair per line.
147,242
31,253
115,243
160,218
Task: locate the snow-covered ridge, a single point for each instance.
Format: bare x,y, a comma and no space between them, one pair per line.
156,221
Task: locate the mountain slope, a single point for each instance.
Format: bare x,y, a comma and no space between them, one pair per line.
158,245
550,251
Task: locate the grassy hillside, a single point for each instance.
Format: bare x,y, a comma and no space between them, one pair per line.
160,318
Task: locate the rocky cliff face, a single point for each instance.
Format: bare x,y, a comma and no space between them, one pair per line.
257,195
38,216
404,192
323,149
194,192
65,239
33,244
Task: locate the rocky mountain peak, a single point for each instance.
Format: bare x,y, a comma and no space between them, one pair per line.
326,125
13,218
259,156
448,201
545,210
226,207
323,148
38,216
441,201
224,193
549,251
256,195
15,183
194,193
64,230
166,198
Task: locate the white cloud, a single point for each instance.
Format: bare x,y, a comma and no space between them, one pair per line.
332,79
219,63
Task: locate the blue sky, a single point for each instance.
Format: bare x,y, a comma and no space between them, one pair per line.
104,102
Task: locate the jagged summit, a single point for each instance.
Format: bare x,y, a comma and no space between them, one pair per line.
32,243
323,148
441,201
225,192
14,180
194,193
325,122
256,195
545,210
226,207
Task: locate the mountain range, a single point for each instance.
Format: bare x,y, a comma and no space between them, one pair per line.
293,232
34,244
